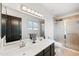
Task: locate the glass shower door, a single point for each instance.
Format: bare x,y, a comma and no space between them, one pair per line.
72,34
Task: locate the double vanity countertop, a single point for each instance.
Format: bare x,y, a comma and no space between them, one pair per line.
30,49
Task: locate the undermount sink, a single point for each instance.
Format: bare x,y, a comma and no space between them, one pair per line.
29,42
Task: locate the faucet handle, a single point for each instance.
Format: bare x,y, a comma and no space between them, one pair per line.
22,45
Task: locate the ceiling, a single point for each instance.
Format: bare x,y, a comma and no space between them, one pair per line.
38,7
61,9
54,9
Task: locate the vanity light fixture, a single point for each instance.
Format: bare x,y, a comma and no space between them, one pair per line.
33,12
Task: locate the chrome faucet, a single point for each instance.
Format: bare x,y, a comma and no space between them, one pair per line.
22,45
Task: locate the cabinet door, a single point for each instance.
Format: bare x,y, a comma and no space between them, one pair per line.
40,54
47,49
52,50
47,54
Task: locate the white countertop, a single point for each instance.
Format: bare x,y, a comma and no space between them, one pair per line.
30,49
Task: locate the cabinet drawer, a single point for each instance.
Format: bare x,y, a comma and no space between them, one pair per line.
47,49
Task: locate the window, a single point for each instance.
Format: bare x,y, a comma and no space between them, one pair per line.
32,25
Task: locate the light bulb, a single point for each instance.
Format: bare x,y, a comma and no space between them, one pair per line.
24,8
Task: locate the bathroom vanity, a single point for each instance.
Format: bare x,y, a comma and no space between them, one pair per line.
49,51
15,29
44,47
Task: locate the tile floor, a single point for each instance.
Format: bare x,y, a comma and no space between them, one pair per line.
63,51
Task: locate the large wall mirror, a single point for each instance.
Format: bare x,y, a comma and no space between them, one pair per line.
36,27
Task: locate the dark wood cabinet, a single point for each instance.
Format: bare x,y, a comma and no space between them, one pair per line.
52,50
49,51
